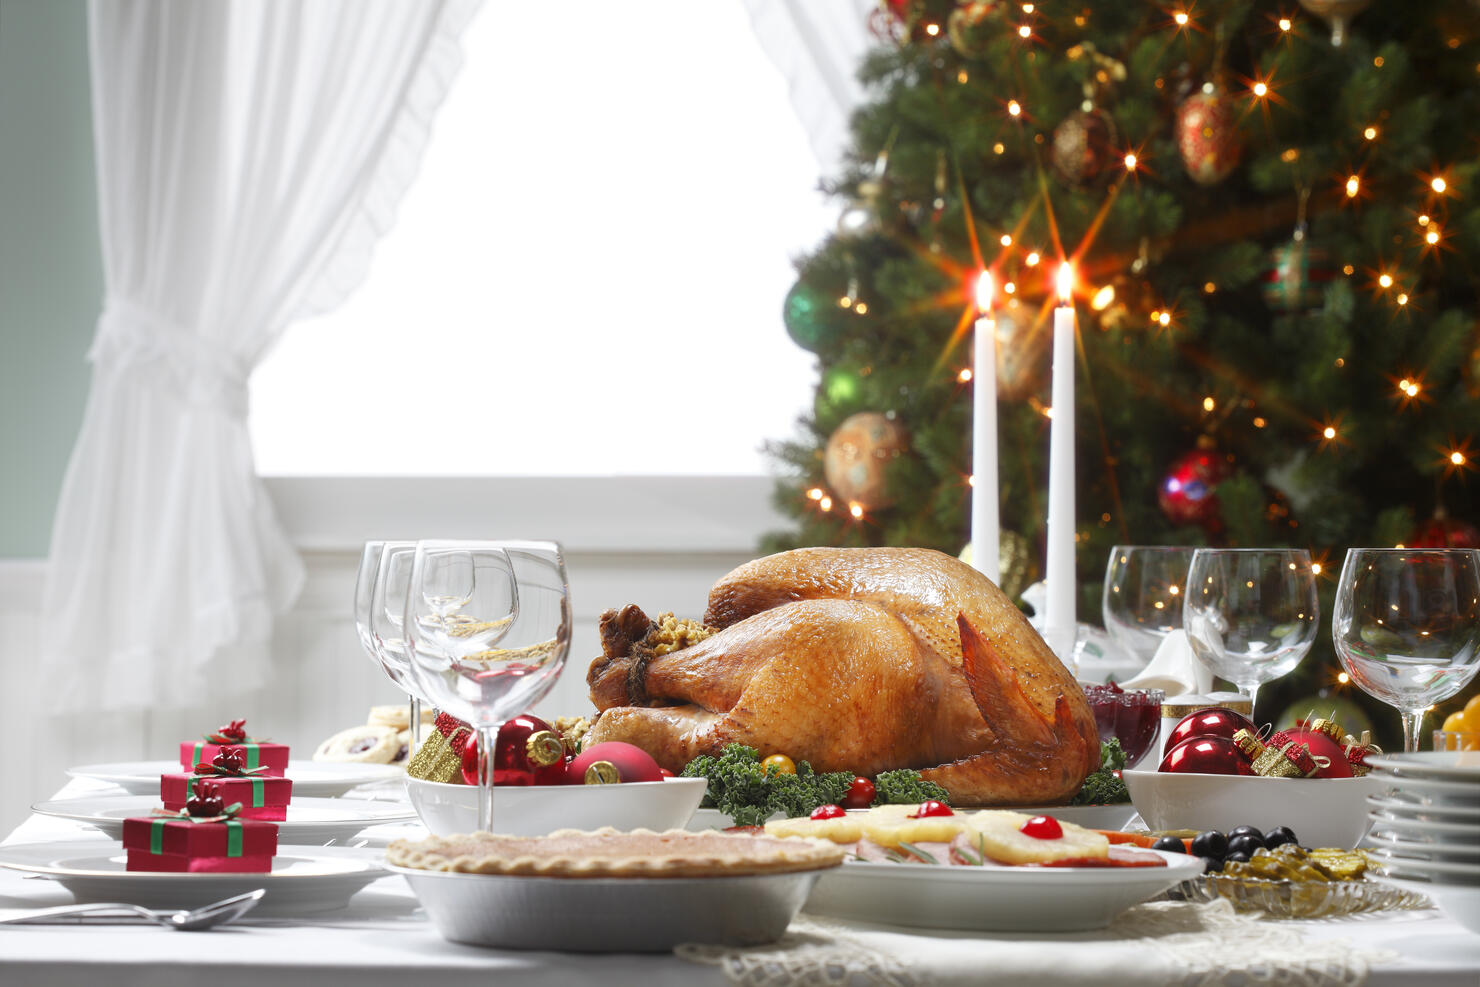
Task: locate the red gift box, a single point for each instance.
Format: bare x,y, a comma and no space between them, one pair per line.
260,797
273,757
170,844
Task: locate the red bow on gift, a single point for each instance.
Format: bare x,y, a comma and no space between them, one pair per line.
234,732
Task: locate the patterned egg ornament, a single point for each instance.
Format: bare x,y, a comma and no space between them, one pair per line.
1208,137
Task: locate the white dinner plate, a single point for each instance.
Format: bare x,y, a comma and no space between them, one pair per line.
1386,821
1440,871
1457,851
1433,791
311,779
993,899
310,822
317,880
1411,808
1460,766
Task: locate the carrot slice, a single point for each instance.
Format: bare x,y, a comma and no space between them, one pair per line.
1135,839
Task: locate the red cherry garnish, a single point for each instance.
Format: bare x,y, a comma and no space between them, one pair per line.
828,811
930,807
1042,828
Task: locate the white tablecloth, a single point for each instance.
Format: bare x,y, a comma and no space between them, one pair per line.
382,939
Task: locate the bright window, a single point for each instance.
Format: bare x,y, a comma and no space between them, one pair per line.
587,277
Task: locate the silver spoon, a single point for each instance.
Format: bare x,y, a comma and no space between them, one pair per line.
192,920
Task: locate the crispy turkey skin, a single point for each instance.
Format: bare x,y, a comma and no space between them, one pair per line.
860,660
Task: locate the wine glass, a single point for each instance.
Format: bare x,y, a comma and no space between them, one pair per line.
1250,614
487,627
385,648
1407,626
1142,602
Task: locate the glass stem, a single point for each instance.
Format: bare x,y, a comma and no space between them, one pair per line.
1412,726
415,705
1250,689
487,744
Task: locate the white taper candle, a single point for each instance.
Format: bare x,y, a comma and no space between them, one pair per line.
1060,622
986,551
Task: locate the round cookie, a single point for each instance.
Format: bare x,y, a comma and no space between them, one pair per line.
364,744
403,738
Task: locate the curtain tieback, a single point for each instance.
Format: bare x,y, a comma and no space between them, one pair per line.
199,370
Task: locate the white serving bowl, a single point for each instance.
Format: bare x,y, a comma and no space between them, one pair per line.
1323,812
535,810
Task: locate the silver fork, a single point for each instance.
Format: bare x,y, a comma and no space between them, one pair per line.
185,920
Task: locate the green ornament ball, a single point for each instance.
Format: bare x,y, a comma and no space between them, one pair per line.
840,386
807,314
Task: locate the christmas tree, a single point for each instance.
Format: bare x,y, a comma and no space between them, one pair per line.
1271,210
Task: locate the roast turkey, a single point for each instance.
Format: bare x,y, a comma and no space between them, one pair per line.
864,660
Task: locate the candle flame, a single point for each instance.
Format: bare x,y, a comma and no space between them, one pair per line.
984,292
1066,282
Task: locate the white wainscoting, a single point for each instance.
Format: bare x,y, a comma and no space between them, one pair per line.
656,542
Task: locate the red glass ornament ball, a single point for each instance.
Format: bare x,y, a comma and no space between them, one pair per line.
1206,756
1187,492
1323,747
632,763
513,763
1215,721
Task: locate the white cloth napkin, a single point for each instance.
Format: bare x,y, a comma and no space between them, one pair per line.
1174,670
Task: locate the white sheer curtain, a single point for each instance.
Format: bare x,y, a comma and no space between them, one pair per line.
818,45
249,154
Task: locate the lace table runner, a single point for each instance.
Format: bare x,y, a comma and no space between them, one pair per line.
1161,943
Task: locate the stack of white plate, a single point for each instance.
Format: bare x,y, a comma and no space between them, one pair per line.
1426,828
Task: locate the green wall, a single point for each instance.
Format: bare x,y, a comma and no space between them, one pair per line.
51,279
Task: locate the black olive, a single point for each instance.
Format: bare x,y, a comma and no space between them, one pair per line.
1170,844
1212,865
1246,831
1245,844
1279,836
1237,857
1210,844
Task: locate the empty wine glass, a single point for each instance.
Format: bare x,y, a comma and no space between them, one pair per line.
1250,613
487,627
1142,602
386,648
1406,626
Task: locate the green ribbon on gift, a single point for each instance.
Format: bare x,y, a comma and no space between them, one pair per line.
259,787
233,838
156,835
254,752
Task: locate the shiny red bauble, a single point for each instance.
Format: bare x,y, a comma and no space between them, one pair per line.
1322,747
611,762
1215,721
1187,493
528,752
1207,756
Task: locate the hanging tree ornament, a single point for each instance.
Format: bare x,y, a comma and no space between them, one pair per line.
1338,13
1298,272
1187,493
1084,145
1208,136
1021,354
811,316
857,458
1443,531
1084,142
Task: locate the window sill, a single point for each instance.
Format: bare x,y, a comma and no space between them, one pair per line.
597,514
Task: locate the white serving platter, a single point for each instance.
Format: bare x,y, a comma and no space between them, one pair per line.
318,880
993,899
